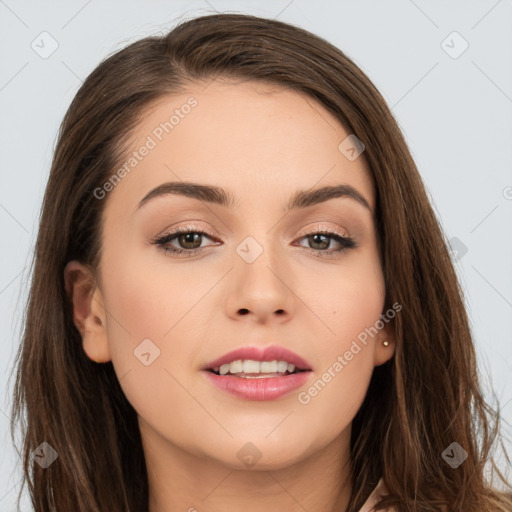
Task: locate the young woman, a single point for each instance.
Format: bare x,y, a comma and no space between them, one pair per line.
241,298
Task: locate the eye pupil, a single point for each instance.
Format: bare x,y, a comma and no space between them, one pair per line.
325,242
188,238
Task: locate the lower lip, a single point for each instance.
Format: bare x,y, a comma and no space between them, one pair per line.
258,389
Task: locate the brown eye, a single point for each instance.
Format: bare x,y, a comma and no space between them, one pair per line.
188,239
320,241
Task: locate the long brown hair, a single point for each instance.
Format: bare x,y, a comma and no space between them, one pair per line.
426,397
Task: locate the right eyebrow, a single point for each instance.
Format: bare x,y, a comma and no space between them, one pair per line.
208,193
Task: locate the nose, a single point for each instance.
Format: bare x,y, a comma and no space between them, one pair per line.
262,290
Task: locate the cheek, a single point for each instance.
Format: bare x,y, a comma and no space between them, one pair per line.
349,298
139,304
146,296
351,306
345,361
143,308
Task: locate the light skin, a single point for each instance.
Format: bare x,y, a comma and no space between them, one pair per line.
260,143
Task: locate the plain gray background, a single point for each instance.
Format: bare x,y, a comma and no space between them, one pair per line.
453,104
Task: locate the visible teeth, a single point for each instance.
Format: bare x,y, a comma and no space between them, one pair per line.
282,366
271,366
251,366
236,366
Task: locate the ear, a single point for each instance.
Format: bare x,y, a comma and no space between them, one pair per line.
383,353
88,312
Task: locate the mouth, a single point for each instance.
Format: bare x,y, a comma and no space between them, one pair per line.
254,380
253,362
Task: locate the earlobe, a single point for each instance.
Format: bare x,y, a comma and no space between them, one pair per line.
384,346
88,312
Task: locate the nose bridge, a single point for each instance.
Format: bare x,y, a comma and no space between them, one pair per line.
259,235
259,257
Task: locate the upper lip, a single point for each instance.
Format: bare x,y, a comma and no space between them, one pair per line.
270,353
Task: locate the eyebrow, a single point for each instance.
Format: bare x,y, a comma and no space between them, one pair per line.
216,195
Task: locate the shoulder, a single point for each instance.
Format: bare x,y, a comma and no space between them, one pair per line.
380,490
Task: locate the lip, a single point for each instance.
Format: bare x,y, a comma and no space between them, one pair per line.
269,388
270,353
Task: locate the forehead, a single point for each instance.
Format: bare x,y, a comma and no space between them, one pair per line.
258,140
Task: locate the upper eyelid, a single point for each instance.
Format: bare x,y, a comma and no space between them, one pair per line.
166,239
306,231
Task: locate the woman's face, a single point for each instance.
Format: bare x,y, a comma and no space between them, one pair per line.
257,277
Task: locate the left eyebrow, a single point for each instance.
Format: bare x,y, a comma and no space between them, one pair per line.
217,195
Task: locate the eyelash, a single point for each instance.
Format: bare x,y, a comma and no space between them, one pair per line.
347,243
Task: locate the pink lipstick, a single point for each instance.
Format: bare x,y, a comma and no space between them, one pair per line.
253,373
